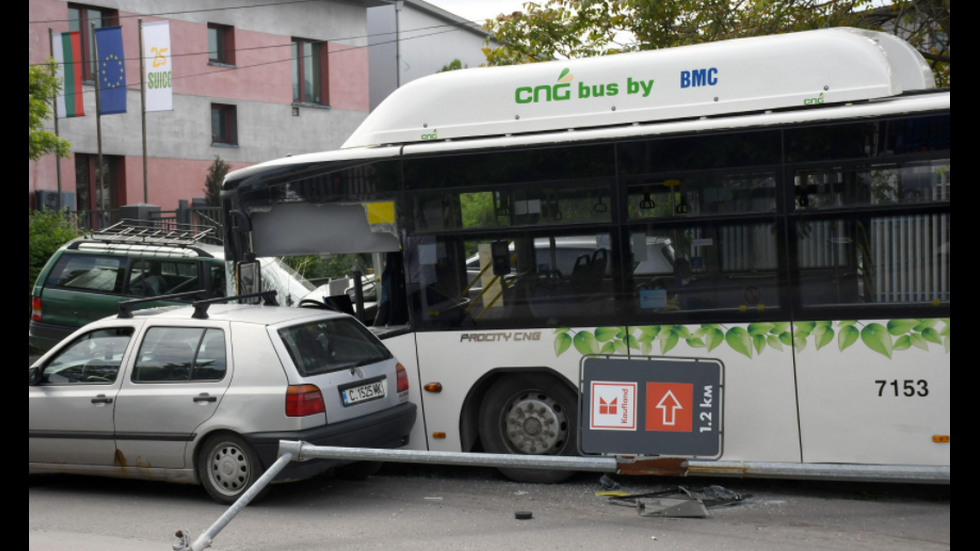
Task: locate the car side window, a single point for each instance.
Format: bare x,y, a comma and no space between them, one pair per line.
180,355
155,278
103,274
93,359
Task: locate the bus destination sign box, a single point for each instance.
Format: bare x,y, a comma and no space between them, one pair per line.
652,407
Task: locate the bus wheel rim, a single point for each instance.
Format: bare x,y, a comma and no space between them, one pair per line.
534,423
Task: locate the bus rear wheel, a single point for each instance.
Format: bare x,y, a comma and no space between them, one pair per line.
530,415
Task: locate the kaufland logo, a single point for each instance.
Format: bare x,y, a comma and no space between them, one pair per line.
564,90
613,406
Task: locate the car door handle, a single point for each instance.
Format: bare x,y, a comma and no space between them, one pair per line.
101,400
205,399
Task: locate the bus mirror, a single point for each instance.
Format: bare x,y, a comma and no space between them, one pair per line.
249,276
501,258
34,376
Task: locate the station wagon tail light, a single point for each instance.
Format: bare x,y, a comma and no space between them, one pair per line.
304,401
403,385
36,309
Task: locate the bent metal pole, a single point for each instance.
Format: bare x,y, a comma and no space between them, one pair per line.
302,452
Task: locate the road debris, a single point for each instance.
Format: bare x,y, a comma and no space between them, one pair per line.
679,502
524,515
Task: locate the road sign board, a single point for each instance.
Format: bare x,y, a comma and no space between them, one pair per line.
652,407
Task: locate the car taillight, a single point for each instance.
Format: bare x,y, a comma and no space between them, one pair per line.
36,309
403,385
303,401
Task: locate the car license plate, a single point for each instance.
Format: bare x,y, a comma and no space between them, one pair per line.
366,393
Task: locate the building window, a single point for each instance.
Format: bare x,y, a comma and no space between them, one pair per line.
221,44
81,18
224,124
310,72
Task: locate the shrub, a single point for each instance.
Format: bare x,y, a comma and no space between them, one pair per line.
48,231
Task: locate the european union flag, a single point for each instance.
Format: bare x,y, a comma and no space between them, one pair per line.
111,70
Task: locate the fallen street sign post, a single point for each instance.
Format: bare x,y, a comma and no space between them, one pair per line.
652,407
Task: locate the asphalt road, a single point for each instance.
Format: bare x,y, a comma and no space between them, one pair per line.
411,508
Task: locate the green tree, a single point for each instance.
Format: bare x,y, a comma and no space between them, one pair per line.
456,65
588,28
43,87
214,180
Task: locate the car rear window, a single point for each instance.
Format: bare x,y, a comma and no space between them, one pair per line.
88,273
332,345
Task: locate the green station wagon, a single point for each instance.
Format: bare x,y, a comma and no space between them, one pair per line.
86,280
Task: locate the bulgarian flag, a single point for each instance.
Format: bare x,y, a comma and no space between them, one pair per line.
68,56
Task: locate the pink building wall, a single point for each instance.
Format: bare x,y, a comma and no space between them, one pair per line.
270,82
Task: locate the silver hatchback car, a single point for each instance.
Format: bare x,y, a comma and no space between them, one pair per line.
173,396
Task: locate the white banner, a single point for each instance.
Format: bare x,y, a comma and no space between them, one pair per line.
158,67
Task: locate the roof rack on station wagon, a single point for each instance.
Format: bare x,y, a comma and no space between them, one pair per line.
154,232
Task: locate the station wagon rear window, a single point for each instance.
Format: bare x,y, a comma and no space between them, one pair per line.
332,345
88,273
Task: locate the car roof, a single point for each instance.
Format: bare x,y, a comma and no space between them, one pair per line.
259,315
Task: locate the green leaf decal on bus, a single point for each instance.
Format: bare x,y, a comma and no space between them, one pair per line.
786,338
919,342
564,74
774,343
925,324
621,347
715,338
824,335
903,343
740,341
848,336
633,342
901,327
894,336
562,343
877,338
586,344
932,336
606,334
668,344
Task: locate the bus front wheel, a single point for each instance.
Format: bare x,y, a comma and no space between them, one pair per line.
530,415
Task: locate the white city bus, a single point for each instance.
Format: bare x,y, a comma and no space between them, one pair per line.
780,204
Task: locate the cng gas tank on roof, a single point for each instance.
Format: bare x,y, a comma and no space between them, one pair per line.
802,70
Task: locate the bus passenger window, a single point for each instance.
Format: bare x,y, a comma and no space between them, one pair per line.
865,260
552,280
704,268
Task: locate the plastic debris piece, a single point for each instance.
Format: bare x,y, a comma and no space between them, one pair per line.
609,485
612,494
672,508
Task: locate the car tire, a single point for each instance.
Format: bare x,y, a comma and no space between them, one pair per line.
358,472
227,467
505,428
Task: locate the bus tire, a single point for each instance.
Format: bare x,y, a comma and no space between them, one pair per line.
509,426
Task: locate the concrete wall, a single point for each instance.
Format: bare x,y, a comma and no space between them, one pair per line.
179,142
421,55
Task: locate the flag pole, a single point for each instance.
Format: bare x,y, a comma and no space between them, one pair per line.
57,160
146,187
98,122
